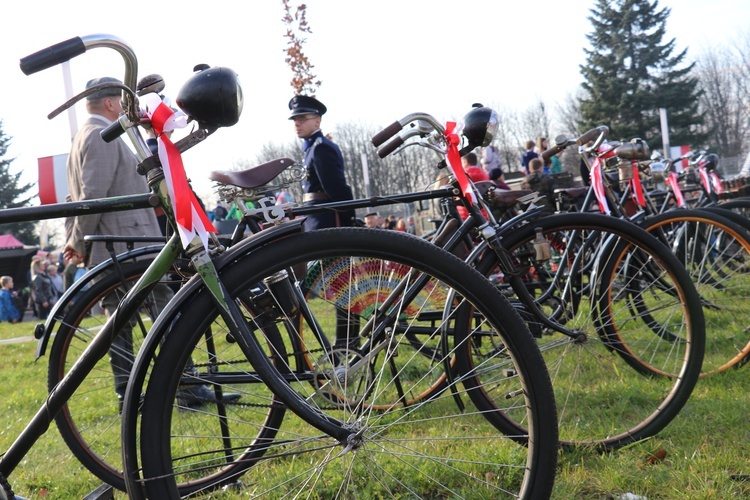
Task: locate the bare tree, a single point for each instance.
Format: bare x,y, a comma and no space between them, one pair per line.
303,80
725,101
569,113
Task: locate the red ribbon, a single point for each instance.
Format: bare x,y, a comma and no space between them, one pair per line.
184,200
704,179
637,186
597,182
454,161
716,183
673,182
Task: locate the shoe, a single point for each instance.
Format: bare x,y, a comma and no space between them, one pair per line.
199,395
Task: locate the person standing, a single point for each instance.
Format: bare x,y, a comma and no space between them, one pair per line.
491,160
56,280
324,163
97,169
8,310
540,182
527,156
44,292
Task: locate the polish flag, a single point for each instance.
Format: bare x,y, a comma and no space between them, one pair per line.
53,179
676,152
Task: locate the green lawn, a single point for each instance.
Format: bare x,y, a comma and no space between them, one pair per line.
702,449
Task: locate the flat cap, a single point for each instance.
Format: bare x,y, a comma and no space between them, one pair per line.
107,92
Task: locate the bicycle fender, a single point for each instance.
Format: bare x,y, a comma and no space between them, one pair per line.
42,332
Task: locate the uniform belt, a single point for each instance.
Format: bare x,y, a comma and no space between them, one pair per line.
317,196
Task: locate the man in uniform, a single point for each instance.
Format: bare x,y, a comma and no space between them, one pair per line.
324,163
325,183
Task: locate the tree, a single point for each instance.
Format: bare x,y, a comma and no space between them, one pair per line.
630,74
13,194
303,80
724,101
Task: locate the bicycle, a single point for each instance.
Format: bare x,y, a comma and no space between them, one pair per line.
712,243
258,342
488,362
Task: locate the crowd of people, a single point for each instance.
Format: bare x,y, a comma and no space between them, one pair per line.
48,278
374,220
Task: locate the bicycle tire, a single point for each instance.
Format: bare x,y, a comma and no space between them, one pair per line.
716,253
371,468
91,432
602,401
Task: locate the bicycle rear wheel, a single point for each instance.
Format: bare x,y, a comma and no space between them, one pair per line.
90,422
428,448
587,286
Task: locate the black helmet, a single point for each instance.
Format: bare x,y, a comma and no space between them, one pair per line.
480,125
212,97
711,161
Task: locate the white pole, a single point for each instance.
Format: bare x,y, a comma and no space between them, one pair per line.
665,132
68,82
366,174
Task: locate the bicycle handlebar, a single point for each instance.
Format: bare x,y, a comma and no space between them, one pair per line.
597,134
385,134
73,47
52,56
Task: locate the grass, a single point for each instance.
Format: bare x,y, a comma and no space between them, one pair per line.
694,457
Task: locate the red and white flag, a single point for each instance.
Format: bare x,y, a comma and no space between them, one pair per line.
676,152
53,179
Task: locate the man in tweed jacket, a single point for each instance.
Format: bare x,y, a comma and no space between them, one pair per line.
97,169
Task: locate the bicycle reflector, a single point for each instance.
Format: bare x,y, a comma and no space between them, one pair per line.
212,97
480,126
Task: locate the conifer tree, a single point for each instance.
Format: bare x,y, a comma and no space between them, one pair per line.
630,73
13,194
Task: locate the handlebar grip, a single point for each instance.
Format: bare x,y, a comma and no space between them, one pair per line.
390,147
549,153
592,134
385,134
112,131
52,56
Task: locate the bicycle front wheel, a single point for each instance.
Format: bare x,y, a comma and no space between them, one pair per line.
716,253
400,446
597,268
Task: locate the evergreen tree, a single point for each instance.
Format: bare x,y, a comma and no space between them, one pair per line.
13,195
630,73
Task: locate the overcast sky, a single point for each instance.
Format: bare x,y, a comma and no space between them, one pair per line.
378,61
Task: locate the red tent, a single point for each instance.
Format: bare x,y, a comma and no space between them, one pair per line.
9,241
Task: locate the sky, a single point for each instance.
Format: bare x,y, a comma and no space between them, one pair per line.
378,61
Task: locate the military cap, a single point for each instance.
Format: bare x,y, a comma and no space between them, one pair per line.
107,92
304,105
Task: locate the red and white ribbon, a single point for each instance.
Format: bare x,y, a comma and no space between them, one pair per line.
674,184
597,182
454,161
190,216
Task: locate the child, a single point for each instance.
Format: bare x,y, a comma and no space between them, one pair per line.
8,309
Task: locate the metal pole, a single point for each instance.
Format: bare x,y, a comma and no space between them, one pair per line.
665,132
